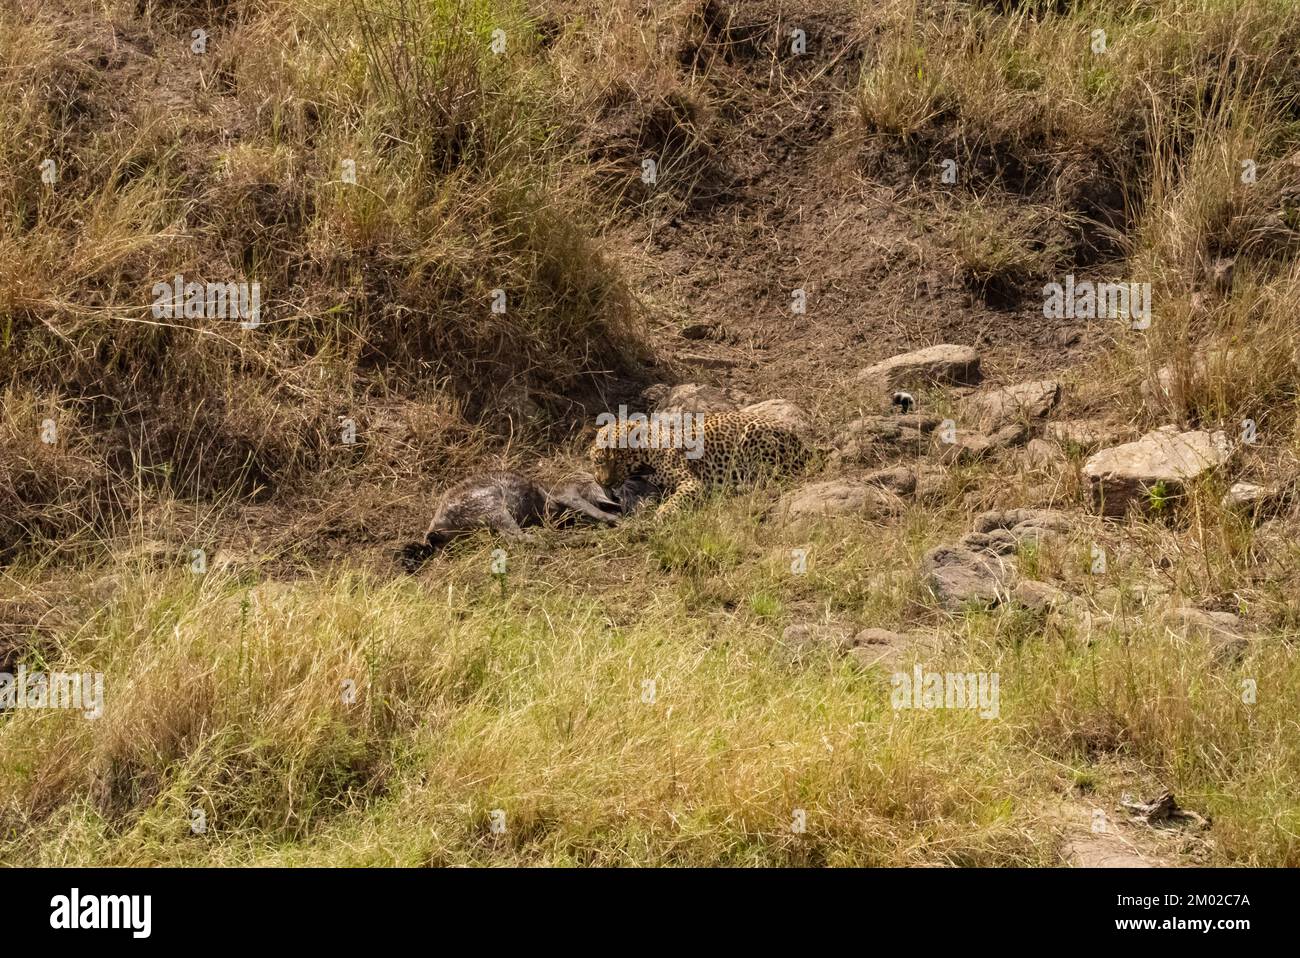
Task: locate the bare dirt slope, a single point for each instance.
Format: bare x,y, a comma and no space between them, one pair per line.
785,204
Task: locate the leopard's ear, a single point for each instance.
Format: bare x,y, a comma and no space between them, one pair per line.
587,434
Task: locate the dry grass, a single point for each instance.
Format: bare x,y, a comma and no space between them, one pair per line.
229,167
227,696
476,172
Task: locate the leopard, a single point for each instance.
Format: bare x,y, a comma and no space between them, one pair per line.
736,450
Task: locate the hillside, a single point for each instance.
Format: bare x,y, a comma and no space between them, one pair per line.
474,226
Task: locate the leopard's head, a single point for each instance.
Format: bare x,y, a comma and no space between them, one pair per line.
613,456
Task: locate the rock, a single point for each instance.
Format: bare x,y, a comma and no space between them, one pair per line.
899,480
1124,475
999,542
1024,522
842,497
1223,629
782,411
1041,596
888,650
935,365
1085,435
1041,454
990,410
961,578
691,398
932,485
806,641
1249,497
874,437
974,446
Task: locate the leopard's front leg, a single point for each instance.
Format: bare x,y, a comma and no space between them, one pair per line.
688,490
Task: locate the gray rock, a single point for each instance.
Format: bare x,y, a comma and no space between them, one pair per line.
999,542
692,398
873,438
973,446
1223,629
1025,523
961,578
